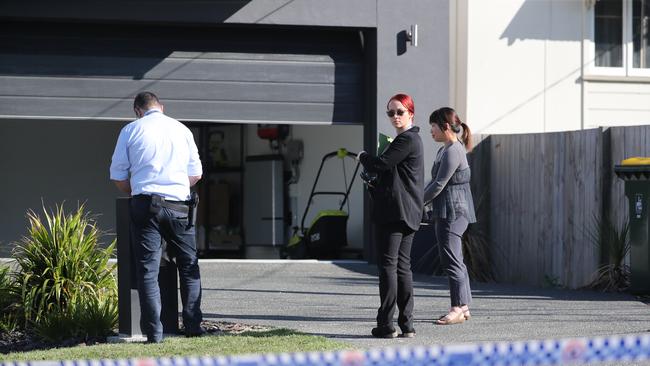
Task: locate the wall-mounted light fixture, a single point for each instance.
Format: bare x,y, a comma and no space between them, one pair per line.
406,36
412,35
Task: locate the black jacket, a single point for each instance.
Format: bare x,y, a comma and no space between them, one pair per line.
398,194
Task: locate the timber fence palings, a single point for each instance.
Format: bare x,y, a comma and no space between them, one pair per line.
543,192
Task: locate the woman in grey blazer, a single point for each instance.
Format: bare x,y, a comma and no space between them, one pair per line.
448,203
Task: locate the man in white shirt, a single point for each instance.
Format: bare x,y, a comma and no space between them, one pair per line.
156,161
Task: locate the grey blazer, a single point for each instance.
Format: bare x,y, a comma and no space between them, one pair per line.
448,195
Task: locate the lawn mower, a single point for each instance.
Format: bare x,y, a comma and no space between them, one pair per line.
327,233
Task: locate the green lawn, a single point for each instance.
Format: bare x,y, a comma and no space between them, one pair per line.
271,341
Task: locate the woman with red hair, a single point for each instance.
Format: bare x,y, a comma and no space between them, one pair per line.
397,197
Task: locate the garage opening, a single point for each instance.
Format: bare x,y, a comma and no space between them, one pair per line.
224,83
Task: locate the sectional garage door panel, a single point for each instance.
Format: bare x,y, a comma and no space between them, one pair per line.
57,87
229,112
215,74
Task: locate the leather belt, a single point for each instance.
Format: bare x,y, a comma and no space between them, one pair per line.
176,206
180,206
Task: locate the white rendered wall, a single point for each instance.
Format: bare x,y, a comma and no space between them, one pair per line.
617,103
523,65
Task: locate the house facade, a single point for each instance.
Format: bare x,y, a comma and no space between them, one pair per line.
551,65
68,74
325,68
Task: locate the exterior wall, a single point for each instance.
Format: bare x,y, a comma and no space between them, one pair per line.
523,65
422,71
54,162
333,13
617,103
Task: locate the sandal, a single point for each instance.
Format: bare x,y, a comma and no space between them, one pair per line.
466,313
453,317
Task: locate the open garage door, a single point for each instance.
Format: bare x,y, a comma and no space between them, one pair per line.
213,74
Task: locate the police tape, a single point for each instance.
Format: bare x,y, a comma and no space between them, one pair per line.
574,351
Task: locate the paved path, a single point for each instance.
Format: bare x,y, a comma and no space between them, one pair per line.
340,301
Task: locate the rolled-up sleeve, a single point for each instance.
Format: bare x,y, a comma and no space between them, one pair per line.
194,168
120,161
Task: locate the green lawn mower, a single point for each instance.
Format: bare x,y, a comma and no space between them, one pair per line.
327,234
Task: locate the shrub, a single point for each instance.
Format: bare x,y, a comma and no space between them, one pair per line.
614,274
64,276
9,301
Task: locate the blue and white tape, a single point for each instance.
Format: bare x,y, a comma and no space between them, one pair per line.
575,351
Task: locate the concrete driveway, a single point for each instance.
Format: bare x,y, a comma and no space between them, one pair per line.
339,300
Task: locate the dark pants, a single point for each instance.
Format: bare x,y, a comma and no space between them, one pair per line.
394,243
448,235
181,244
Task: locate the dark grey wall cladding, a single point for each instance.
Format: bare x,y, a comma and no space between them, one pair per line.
328,13
235,74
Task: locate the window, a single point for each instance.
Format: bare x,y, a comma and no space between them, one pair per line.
641,33
621,37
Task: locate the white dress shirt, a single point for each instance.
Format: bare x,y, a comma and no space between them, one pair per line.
157,154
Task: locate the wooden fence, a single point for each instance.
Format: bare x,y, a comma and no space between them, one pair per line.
540,194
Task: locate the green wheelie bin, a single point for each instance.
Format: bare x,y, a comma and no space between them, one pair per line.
636,174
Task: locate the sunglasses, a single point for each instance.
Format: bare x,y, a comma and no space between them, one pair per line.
391,113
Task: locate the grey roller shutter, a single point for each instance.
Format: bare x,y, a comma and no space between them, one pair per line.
216,74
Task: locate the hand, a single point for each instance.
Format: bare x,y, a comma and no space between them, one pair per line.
359,154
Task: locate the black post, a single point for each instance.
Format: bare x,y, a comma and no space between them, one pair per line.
127,288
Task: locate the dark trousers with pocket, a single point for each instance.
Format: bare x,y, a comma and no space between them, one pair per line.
448,236
394,243
148,229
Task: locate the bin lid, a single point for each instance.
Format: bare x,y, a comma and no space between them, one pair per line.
636,160
633,172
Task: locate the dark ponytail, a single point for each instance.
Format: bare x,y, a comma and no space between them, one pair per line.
446,118
466,137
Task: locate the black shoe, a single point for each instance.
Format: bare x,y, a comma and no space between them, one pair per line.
194,333
384,332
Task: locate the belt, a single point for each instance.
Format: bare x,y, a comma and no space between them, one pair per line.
180,206
176,206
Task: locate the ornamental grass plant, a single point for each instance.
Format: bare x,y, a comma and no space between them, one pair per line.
9,301
614,242
65,283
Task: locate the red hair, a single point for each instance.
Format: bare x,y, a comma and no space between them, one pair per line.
406,101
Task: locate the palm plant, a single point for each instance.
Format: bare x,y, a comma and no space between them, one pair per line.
614,242
62,271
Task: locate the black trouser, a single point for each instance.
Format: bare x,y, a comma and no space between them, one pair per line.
147,231
395,278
